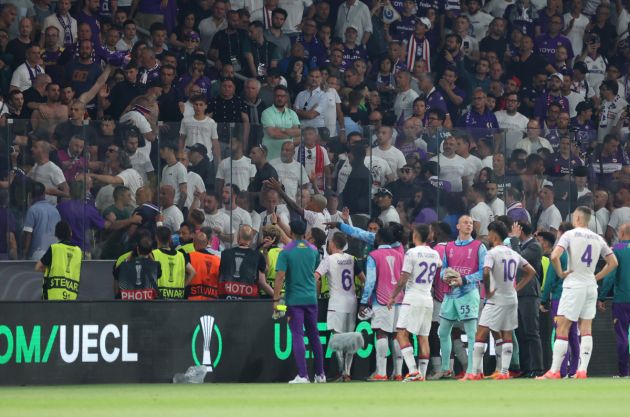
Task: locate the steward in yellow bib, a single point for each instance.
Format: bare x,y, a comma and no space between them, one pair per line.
176,269
61,265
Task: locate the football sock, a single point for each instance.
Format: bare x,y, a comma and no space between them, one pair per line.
423,363
397,357
498,352
559,350
586,347
381,356
470,327
410,361
478,351
444,332
506,356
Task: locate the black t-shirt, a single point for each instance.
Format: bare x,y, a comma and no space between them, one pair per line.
241,265
31,96
82,76
497,45
17,49
264,173
231,46
169,106
121,95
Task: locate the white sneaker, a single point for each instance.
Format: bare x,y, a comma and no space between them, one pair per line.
320,379
300,380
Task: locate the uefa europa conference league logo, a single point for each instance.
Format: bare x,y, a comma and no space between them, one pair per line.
208,328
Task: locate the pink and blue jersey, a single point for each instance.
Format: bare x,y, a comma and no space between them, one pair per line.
466,257
384,266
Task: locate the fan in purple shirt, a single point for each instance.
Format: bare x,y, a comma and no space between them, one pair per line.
583,128
546,45
562,162
479,121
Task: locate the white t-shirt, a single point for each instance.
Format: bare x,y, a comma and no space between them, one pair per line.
281,211
330,113
22,77
474,164
295,12
292,175
618,217
453,170
503,263
175,175
315,100
219,220
310,157
378,167
138,120
256,220
389,215
394,157
141,163
173,217
584,249
480,23
50,175
422,263
237,171
515,127
200,131
404,103
497,7
483,214
576,34
339,267
596,71
239,217
315,219
498,207
195,184
609,115
132,180
550,218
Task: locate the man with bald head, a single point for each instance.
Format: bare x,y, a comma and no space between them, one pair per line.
173,216
619,281
242,269
205,284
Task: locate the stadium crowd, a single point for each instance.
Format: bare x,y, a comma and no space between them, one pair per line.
194,130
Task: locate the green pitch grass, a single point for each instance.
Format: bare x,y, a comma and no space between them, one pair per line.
596,397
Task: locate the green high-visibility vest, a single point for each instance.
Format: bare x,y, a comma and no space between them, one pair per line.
187,248
61,278
172,281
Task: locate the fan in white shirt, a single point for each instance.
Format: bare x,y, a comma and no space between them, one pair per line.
219,222
239,216
550,217
453,168
311,104
513,122
237,169
386,150
314,157
383,199
481,212
173,216
200,129
291,173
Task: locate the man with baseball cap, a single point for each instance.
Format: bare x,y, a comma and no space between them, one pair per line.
383,200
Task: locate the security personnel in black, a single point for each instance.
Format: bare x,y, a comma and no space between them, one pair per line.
61,265
242,269
137,277
176,269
